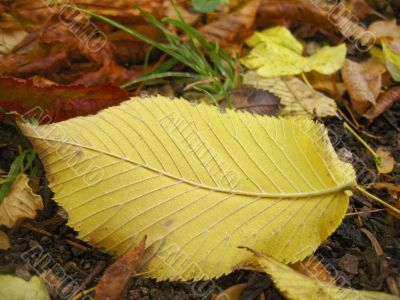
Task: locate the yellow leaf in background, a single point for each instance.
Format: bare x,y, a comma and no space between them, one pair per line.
277,53
392,58
327,60
20,203
15,288
296,286
278,35
197,182
386,161
297,97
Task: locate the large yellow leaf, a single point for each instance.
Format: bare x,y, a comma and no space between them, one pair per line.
296,286
198,182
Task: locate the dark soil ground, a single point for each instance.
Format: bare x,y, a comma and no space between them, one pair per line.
351,256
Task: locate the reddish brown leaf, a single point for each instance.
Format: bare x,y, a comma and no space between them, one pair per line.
273,12
384,102
52,103
357,86
234,27
116,278
255,100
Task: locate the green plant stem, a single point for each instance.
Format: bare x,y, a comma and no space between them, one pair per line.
384,203
359,138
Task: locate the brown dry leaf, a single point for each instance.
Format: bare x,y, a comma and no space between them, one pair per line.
234,27
391,187
296,97
386,161
20,203
255,100
4,241
372,70
116,278
357,86
233,293
272,12
385,29
312,267
384,103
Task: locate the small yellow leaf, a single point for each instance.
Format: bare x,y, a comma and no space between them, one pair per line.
296,97
13,287
327,60
20,203
277,53
391,53
197,182
296,286
386,161
278,35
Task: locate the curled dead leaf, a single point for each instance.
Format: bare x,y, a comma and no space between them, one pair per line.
115,279
51,103
255,100
384,103
20,203
357,86
296,97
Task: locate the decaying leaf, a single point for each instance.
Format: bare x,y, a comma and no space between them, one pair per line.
198,182
255,100
296,286
234,27
391,52
274,55
116,278
20,203
13,287
372,71
52,102
4,241
386,162
273,12
384,103
361,96
385,29
296,97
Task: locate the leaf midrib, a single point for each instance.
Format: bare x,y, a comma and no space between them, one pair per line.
339,188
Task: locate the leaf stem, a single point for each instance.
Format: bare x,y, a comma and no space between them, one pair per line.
384,203
368,147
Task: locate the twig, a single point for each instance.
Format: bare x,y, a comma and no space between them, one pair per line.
384,203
